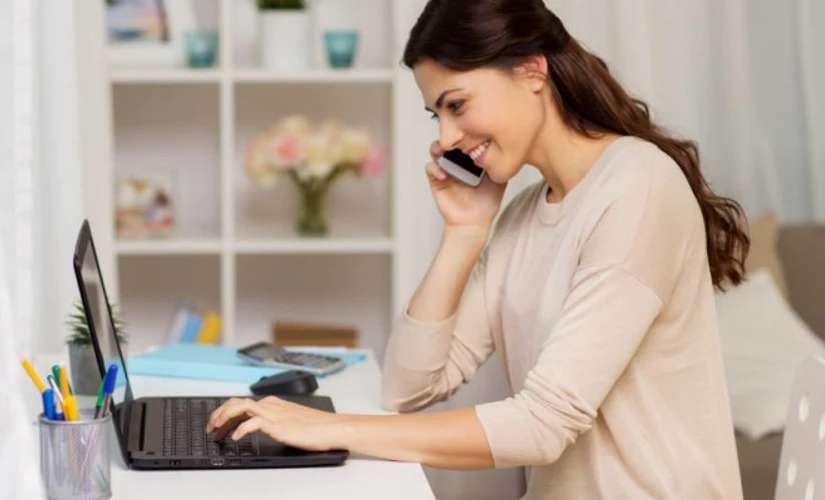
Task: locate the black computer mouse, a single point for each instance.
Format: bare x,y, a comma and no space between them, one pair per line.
288,383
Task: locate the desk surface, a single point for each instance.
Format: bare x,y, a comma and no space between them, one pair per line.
355,390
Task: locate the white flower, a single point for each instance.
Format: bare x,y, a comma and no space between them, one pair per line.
355,144
319,170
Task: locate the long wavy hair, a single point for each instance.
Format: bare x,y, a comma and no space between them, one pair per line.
464,35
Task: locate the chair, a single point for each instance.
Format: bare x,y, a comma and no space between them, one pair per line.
802,463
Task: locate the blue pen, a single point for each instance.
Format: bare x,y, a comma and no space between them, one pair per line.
48,404
108,389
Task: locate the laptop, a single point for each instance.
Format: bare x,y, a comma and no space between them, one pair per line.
168,432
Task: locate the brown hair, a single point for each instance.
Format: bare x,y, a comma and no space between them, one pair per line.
468,34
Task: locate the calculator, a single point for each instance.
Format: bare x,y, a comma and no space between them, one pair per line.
268,354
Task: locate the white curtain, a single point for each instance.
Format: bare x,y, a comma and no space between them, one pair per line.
745,78
18,466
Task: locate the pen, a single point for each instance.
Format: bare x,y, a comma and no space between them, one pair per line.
33,375
109,388
56,373
56,388
48,404
58,408
70,408
64,383
99,402
58,398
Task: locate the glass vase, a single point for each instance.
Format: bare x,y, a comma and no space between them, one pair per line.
312,213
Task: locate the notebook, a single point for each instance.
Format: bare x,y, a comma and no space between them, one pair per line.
209,362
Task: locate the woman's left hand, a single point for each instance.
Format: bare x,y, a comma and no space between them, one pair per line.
289,423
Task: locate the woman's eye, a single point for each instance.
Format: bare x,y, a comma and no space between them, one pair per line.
455,106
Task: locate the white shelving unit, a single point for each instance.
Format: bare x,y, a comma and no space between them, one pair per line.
236,250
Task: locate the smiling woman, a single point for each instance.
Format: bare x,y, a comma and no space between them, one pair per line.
595,285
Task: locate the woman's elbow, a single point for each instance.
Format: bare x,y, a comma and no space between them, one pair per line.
395,400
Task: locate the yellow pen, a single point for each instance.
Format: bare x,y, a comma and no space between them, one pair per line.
64,383
33,375
70,408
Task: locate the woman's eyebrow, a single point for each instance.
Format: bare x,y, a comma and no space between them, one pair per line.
440,101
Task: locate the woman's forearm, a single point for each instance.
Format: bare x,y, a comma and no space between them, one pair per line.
451,439
439,293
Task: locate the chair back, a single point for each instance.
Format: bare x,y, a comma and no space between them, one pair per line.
802,464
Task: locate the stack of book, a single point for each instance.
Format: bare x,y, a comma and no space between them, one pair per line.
192,325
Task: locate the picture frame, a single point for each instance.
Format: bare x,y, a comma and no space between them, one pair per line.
148,33
146,205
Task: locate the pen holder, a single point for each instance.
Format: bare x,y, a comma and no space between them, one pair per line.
75,457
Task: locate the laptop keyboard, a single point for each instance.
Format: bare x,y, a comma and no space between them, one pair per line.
184,431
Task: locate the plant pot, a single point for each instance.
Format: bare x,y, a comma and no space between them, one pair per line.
85,375
285,39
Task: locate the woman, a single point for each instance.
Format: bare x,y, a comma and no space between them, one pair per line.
596,286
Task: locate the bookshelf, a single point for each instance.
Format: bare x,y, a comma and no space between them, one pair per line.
235,250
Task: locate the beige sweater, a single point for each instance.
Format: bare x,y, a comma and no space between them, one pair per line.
601,307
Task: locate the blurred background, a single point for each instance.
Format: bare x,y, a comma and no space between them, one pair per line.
169,125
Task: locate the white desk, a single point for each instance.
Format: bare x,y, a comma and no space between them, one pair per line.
355,390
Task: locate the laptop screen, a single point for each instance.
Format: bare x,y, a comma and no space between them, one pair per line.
101,325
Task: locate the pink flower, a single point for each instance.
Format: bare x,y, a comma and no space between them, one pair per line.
283,150
373,163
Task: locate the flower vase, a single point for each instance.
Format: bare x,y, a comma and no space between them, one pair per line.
312,214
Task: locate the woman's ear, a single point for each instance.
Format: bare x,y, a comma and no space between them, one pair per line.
533,72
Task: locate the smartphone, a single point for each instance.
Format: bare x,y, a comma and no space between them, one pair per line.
268,354
460,166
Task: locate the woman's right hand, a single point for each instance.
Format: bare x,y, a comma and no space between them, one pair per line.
462,205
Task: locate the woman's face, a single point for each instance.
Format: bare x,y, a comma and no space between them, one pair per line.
489,114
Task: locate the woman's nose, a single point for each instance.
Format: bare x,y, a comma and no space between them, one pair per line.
449,135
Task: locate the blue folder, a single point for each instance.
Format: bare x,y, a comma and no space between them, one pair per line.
210,362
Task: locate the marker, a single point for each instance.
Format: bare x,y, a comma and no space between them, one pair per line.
56,388
64,383
33,375
108,389
58,398
56,373
58,408
70,408
48,404
99,402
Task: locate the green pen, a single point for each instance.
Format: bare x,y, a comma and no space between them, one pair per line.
99,402
56,373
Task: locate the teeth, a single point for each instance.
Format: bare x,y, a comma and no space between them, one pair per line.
479,150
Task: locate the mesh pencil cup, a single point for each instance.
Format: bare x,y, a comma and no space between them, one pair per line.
75,459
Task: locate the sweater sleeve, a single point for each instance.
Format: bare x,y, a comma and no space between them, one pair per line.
426,362
629,264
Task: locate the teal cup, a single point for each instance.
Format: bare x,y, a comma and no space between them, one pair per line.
341,47
201,48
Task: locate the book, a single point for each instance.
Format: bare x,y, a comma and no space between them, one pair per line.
191,327
210,332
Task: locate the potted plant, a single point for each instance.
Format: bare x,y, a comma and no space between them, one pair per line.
285,28
84,371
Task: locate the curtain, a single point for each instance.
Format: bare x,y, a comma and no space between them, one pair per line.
742,77
19,473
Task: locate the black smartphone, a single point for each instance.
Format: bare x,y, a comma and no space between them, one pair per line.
460,166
